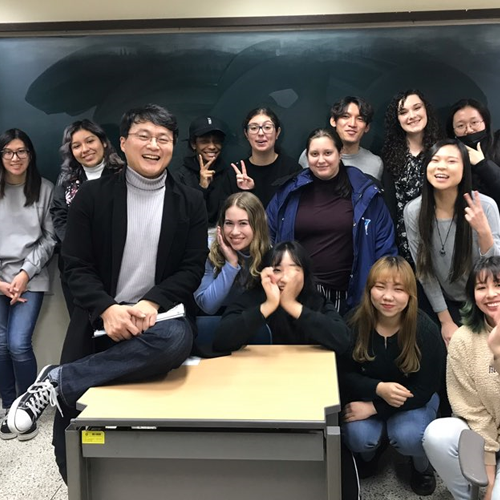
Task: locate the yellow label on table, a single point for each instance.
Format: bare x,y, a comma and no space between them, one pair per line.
93,437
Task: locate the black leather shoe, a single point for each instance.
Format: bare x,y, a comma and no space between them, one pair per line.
370,468
423,483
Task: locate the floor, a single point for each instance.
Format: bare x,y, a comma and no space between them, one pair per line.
28,472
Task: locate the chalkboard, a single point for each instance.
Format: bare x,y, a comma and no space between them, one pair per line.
48,82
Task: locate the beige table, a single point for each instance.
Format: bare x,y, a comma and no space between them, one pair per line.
261,423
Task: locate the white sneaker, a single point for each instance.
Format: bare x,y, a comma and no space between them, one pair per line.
27,408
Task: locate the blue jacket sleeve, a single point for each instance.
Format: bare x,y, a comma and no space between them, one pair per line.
385,241
272,218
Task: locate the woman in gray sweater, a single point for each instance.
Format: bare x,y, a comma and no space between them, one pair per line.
27,242
448,229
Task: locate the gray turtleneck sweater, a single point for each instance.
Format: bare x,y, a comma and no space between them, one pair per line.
145,198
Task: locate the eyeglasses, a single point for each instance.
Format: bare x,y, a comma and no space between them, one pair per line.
8,154
162,140
462,127
254,128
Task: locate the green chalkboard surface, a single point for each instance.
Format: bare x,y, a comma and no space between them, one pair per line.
48,82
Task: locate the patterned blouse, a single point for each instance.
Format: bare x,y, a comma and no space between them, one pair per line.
408,187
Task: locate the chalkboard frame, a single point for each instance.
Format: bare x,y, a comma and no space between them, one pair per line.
332,20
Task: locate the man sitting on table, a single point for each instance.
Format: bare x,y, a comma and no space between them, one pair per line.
135,244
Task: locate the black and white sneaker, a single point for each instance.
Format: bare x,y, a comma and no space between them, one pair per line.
27,408
5,432
29,434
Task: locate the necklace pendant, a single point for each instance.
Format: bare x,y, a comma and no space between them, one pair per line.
442,251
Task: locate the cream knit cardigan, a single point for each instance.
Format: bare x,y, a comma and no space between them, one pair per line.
473,386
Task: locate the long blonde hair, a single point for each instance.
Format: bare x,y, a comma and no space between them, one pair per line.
257,219
365,319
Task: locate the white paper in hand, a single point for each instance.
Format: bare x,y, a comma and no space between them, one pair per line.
178,311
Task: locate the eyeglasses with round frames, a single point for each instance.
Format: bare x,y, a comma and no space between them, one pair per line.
255,128
473,125
8,154
162,140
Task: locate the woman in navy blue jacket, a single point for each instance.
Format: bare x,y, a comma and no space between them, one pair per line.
338,214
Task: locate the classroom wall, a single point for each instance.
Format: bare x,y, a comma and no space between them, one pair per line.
64,10
52,322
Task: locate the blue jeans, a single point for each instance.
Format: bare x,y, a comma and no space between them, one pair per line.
404,429
17,359
158,350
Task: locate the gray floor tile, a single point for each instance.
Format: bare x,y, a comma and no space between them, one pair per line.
61,493
392,483
28,470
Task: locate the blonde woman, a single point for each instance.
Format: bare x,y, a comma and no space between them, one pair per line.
242,238
390,375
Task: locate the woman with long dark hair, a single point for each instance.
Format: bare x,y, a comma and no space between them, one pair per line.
26,246
286,300
449,229
338,214
390,375
470,122
411,128
473,386
266,164
236,253
87,154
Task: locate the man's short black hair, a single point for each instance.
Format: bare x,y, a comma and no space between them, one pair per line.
365,108
149,113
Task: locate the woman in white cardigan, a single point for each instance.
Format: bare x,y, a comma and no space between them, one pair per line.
473,386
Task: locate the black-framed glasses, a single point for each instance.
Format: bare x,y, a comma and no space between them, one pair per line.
255,128
22,154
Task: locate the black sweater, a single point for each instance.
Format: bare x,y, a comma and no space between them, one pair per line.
358,381
189,175
486,179
267,178
319,323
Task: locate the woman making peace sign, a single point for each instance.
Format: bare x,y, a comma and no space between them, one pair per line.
448,230
266,164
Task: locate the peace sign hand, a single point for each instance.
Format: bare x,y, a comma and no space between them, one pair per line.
475,155
474,214
206,175
243,181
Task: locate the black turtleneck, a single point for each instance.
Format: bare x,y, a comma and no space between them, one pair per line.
324,227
